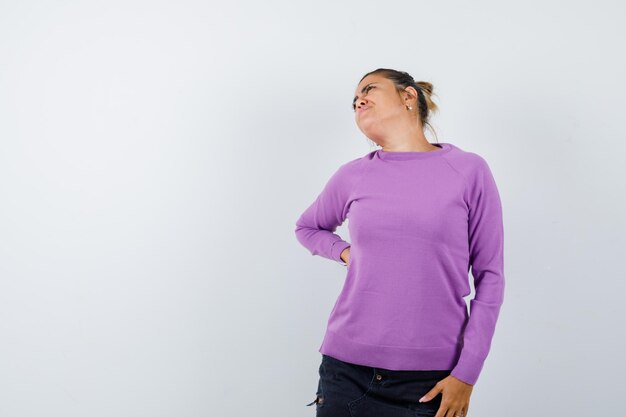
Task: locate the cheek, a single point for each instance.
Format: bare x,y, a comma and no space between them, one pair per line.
395,108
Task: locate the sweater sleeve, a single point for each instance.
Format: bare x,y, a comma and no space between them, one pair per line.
486,257
316,226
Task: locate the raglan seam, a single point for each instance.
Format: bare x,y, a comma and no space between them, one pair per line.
362,160
465,180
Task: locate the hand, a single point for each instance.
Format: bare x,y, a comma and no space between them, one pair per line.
345,255
455,397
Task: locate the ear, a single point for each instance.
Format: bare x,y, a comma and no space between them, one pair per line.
409,96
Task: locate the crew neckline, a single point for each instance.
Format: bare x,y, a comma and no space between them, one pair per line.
410,155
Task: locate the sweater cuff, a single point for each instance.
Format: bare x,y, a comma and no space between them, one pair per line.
468,368
337,247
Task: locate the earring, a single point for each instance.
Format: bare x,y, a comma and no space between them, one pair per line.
410,108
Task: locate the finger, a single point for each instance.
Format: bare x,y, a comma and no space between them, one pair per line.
457,413
442,411
465,409
452,413
430,394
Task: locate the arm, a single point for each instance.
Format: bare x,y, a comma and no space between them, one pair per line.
316,226
486,256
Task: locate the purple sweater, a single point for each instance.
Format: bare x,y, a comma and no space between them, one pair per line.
417,222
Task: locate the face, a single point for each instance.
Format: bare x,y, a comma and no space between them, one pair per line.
378,107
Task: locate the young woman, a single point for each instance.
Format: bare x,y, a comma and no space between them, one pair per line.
400,340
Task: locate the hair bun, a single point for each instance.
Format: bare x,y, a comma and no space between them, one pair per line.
425,85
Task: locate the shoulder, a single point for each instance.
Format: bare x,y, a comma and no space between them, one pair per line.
354,167
347,174
469,164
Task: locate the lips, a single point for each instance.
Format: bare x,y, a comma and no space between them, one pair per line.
362,109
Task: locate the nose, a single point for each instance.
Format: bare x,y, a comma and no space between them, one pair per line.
361,103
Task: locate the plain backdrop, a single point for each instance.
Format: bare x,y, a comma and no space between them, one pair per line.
155,155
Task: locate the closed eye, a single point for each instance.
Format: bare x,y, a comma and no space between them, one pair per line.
367,89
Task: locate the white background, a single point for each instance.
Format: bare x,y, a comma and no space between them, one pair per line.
154,157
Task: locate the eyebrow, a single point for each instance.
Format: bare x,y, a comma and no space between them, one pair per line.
362,91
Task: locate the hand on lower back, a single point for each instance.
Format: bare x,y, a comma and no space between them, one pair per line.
345,255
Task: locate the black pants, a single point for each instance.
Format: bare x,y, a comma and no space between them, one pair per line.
350,390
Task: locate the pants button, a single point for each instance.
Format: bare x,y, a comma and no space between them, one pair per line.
379,377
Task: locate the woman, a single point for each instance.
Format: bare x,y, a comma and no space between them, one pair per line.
400,340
